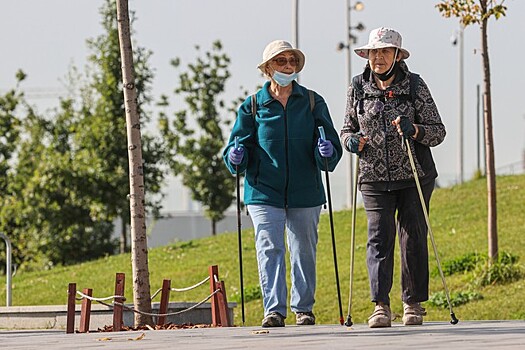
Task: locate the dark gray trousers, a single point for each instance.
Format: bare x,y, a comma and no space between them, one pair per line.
381,208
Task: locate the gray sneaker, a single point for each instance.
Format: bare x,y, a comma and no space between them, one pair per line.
413,314
273,319
304,318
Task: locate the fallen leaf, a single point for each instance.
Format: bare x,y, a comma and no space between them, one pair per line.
104,339
140,337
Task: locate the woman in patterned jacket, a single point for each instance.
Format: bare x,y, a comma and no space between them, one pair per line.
385,104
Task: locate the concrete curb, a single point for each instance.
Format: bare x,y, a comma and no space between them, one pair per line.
55,316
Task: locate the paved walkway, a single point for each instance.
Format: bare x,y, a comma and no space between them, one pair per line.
433,335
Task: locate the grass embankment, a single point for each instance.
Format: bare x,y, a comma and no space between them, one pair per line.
459,223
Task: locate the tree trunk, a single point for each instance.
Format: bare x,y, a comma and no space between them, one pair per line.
139,245
123,236
489,145
213,228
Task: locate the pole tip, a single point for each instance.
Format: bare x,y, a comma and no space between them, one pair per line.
348,322
453,319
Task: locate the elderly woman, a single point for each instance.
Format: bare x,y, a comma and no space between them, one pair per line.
282,155
385,104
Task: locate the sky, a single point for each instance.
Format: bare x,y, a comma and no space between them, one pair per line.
44,38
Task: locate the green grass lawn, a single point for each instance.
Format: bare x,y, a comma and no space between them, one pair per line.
459,223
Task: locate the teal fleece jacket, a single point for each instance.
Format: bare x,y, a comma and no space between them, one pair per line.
281,160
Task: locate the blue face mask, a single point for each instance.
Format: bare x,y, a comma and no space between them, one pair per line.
283,79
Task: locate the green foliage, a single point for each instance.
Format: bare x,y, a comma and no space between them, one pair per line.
472,11
250,293
196,135
439,299
504,271
101,124
100,137
467,262
64,177
9,128
47,211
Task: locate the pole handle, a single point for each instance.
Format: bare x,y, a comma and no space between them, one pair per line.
236,142
321,132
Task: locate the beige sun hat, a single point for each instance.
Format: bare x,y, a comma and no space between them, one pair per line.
380,38
279,46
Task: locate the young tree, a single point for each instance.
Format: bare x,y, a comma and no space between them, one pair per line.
479,12
195,137
101,129
139,246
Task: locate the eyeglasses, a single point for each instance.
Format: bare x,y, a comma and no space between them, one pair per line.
281,61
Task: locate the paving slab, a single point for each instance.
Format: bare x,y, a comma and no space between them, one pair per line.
432,335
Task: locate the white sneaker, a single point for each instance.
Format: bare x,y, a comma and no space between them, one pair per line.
381,317
413,314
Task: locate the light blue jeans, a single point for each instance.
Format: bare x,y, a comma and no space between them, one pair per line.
301,233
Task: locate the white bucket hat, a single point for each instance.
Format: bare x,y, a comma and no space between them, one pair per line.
380,38
279,46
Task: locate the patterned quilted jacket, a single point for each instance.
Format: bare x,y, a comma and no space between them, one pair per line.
384,159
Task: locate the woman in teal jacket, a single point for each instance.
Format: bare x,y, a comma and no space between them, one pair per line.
282,155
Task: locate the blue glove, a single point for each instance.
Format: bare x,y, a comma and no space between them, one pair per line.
326,149
235,155
407,128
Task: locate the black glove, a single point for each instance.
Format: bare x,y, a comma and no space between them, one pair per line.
353,144
354,141
407,128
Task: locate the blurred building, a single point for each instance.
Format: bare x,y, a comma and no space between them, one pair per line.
187,225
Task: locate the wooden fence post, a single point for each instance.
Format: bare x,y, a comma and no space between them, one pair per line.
214,275
117,309
223,305
70,322
85,311
164,301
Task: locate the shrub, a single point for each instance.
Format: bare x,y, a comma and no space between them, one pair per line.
439,299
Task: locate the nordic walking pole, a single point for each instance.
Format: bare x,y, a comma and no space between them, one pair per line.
239,228
341,320
349,322
453,318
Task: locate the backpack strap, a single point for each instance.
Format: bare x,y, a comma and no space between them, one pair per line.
254,105
357,84
414,83
312,100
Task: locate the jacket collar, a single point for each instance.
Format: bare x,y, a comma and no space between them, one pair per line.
266,97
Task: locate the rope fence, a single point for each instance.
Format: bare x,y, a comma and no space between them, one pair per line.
182,289
219,305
